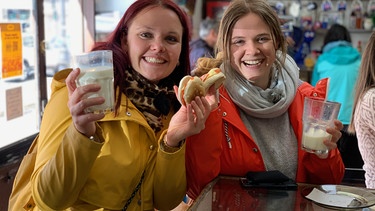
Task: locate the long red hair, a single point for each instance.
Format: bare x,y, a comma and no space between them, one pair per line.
121,60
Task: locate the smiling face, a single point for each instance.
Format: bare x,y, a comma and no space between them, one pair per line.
252,49
154,42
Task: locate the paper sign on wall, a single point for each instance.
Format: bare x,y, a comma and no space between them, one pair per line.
11,50
14,103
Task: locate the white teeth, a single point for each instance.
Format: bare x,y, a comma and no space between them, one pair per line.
254,62
154,60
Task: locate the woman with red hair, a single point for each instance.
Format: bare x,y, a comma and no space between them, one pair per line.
132,158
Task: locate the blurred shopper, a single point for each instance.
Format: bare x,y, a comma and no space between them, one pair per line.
340,63
205,44
363,114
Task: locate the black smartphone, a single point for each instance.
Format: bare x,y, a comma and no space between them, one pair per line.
289,185
268,179
273,176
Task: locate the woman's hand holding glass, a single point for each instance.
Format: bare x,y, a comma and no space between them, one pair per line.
336,135
83,122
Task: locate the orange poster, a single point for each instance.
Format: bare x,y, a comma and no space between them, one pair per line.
11,50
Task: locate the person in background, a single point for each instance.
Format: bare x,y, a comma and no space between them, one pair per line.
340,63
132,158
363,114
205,44
257,123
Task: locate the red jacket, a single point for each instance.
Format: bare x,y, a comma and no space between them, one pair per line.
208,154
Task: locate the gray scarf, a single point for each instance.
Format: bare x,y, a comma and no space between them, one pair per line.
264,113
260,103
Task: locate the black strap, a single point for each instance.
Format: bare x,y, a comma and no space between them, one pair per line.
134,192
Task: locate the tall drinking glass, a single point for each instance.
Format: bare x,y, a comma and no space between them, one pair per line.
97,68
318,114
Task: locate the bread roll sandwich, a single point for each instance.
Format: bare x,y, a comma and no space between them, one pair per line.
192,86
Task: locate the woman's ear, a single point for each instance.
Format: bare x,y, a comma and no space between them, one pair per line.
124,43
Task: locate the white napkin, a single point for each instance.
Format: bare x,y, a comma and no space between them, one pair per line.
330,198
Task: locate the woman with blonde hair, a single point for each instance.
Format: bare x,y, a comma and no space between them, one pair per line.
257,123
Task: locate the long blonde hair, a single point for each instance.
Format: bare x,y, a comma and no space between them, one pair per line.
366,77
235,11
205,64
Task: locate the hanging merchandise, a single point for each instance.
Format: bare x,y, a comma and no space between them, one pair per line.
326,5
341,8
326,8
341,5
371,7
367,21
371,10
357,13
285,20
311,6
308,11
352,20
279,8
294,9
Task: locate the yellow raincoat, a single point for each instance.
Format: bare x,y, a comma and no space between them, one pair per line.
75,173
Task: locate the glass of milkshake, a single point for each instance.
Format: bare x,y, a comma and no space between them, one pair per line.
97,68
318,115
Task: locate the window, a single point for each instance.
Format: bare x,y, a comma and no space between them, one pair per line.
19,91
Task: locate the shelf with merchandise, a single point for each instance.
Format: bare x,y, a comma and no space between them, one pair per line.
359,31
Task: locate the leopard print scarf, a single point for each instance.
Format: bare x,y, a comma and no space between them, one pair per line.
153,100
